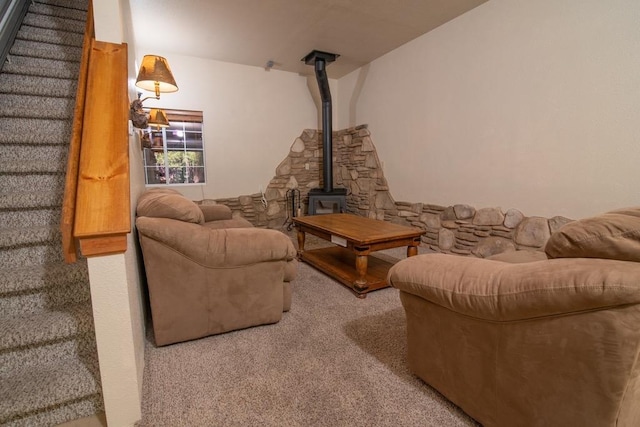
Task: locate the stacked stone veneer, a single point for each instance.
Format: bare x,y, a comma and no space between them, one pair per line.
464,230
459,229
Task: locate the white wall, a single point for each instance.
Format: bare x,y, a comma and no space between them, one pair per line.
526,104
116,291
251,118
108,21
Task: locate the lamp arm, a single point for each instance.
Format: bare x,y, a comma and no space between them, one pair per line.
144,99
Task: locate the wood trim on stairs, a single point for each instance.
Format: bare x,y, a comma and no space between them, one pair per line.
73,159
103,217
96,207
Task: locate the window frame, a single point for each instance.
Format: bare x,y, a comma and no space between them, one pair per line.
173,115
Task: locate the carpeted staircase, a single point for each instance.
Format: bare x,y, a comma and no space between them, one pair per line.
48,361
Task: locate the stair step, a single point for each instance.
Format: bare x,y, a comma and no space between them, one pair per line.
45,35
31,256
18,84
45,327
72,412
82,347
37,302
35,131
20,66
49,298
36,182
70,4
16,218
62,12
19,200
14,237
36,107
54,23
31,66
45,50
16,153
34,390
42,276
34,342
26,303
35,166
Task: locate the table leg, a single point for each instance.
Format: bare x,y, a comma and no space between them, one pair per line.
412,251
301,236
360,285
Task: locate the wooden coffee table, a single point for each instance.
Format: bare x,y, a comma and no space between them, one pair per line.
354,237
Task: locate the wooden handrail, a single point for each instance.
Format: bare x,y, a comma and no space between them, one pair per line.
73,159
103,215
96,210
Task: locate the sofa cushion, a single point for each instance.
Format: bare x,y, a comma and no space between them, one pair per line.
228,223
169,204
503,292
215,212
516,257
613,235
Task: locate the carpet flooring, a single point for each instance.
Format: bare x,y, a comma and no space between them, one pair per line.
333,360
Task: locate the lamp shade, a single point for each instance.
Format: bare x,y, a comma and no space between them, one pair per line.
158,118
155,75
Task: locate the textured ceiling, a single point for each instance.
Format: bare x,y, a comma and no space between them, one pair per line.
254,32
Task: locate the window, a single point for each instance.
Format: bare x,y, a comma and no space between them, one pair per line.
175,154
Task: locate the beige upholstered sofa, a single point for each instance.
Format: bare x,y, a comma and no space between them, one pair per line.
552,342
207,272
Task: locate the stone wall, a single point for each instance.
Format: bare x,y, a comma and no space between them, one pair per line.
464,230
459,229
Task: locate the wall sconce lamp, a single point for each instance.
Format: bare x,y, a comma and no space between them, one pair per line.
158,118
154,76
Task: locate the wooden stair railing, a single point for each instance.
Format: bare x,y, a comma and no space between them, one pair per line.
73,159
96,206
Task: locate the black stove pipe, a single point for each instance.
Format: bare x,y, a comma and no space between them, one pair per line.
319,60
327,128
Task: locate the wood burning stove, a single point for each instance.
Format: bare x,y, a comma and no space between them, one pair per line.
326,199
321,202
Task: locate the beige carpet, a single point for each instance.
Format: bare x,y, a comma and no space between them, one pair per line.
333,360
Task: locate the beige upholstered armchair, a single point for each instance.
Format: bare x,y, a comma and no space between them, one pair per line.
207,272
552,342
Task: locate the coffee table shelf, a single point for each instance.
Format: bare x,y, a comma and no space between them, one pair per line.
339,263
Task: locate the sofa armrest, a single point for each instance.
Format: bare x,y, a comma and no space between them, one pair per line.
215,212
498,291
223,248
